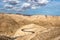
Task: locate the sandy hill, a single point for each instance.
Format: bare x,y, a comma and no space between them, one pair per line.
11,24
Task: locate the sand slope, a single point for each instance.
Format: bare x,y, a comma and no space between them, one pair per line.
11,25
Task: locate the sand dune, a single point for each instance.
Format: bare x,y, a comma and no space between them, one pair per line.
11,25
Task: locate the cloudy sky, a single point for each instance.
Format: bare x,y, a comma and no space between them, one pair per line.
30,6
21,5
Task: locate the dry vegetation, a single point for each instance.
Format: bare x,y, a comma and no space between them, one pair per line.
11,25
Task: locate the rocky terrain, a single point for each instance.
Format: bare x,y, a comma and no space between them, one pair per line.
35,27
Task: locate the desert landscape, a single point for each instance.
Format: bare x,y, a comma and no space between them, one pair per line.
35,27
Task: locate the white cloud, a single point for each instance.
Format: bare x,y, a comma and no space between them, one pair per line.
8,6
26,4
38,1
42,1
33,7
11,1
17,1
5,0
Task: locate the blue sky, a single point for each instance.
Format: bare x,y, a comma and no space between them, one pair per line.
56,0
51,8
